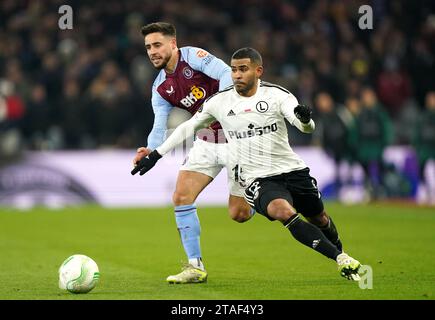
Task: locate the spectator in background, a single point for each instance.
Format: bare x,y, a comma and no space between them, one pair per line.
37,120
50,75
14,73
113,103
12,110
130,107
424,142
75,117
327,78
305,91
353,106
332,130
393,87
371,133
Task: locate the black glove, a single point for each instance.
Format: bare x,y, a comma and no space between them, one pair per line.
146,163
303,113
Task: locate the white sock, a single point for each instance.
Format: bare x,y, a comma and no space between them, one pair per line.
197,263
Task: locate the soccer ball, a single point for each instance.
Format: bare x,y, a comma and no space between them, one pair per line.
78,274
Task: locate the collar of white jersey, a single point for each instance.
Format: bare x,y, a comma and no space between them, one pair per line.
251,97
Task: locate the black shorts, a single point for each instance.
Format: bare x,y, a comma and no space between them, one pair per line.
297,187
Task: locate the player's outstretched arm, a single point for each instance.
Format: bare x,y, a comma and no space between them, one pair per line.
303,114
161,109
298,115
181,133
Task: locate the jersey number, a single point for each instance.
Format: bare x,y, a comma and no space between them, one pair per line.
238,175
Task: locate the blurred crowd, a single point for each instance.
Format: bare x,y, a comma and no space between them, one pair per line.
90,87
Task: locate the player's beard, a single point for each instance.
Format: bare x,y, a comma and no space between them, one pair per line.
244,88
164,63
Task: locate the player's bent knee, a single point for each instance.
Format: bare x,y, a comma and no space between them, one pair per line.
180,199
319,220
280,210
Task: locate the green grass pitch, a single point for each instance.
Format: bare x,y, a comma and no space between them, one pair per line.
136,249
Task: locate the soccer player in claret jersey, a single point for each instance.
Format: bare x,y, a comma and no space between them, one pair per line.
278,183
187,77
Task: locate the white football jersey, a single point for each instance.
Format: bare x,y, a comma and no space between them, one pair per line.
256,131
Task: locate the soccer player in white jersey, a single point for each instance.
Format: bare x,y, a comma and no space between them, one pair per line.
278,184
187,77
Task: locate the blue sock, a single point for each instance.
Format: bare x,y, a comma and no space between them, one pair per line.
189,229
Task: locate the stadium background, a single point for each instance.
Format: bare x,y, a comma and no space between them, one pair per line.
75,104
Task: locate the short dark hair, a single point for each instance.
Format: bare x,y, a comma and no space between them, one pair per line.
250,53
165,28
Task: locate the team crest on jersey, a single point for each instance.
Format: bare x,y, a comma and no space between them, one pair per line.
262,106
188,73
201,53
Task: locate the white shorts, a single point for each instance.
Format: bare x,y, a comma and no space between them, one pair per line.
210,158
